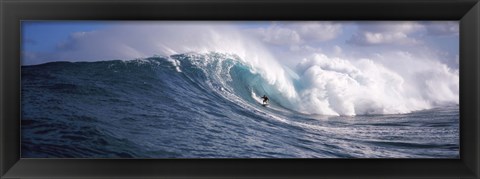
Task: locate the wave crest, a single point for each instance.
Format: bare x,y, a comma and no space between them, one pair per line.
328,86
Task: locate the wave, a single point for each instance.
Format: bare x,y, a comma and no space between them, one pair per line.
344,87
168,106
317,85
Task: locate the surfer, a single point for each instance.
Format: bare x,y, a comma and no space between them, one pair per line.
265,99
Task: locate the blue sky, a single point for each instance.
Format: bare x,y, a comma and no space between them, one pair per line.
44,36
45,41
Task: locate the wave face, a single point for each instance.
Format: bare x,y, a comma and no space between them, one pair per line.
207,105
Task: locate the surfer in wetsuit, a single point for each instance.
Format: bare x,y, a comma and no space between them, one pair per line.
265,99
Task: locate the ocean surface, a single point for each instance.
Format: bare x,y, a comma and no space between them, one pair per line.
205,106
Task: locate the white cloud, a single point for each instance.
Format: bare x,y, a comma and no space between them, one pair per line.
382,33
126,41
442,28
288,41
294,33
279,35
304,49
337,50
318,31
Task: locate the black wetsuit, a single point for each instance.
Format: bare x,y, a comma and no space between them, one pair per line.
265,99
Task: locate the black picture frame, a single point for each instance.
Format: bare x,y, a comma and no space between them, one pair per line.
12,12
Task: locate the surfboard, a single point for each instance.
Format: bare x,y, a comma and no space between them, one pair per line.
264,105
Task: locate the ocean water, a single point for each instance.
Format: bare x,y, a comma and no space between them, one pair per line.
209,106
